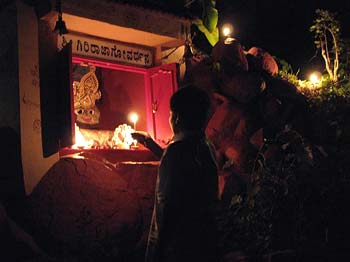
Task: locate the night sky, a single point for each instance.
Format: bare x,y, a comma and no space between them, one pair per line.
282,26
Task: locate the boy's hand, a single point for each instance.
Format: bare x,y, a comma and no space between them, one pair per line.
141,136
145,139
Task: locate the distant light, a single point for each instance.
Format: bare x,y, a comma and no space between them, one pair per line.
315,78
227,30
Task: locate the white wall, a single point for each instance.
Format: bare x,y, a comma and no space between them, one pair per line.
169,57
34,165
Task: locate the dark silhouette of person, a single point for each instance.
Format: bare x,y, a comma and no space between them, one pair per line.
183,222
16,243
12,193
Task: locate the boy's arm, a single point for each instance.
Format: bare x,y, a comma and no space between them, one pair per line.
146,140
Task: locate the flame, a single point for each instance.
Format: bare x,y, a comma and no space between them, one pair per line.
80,141
121,138
133,117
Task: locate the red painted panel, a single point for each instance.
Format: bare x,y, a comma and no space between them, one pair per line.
163,84
122,93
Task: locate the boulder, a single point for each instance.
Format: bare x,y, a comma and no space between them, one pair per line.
283,104
271,111
242,87
81,206
222,125
201,74
141,179
261,60
230,55
283,89
230,129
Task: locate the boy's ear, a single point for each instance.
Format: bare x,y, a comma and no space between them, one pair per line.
176,118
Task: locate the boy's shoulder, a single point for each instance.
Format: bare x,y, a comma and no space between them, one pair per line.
175,146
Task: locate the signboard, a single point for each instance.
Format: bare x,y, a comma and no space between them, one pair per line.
108,50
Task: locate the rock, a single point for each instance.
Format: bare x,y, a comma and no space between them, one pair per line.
223,123
143,185
201,74
283,104
271,111
82,206
234,256
230,55
141,179
243,87
283,89
230,129
257,139
261,60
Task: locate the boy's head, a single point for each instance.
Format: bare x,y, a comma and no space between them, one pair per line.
189,109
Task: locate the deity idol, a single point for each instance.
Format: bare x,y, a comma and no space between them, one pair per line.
86,93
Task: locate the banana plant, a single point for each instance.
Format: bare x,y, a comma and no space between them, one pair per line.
208,24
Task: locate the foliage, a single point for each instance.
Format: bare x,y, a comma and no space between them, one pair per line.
289,201
209,21
344,62
326,31
297,185
286,71
325,93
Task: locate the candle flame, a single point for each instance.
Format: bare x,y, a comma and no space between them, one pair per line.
120,138
80,141
134,117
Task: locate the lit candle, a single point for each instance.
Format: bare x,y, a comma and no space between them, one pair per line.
134,117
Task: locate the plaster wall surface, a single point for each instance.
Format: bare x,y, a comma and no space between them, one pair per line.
174,55
128,16
126,23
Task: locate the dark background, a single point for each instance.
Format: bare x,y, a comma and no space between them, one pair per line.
282,27
279,26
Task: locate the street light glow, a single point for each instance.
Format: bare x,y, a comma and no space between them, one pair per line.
315,78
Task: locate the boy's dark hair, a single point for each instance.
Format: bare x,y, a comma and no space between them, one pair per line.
192,105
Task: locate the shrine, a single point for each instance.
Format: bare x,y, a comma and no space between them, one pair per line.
83,76
113,60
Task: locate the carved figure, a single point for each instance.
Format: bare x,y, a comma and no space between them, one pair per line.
86,93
